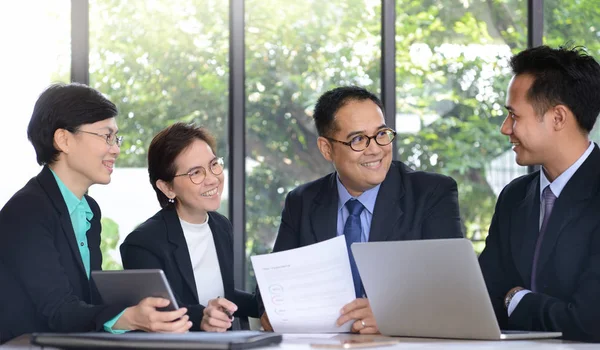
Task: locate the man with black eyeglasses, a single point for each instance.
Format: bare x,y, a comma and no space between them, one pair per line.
369,197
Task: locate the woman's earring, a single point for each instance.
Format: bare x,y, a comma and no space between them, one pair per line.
171,200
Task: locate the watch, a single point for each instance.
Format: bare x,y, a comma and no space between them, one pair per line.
510,295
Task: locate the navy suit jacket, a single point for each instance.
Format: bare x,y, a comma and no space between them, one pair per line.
569,260
410,205
159,243
43,284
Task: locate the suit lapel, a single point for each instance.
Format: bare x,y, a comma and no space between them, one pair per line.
323,218
571,203
223,247
94,239
387,211
180,249
48,183
524,228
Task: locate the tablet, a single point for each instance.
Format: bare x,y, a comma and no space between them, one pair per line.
129,287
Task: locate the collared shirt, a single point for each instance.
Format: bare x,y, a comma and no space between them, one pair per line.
556,186
367,199
81,214
561,181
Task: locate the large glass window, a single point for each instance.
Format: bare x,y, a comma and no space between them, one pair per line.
166,61
295,51
161,62
452,72
35,53
574,23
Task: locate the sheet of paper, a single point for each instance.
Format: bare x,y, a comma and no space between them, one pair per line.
304,289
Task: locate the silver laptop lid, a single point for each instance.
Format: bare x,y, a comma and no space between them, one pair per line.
426,288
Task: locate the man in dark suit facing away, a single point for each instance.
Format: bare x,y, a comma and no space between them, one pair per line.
541,262
369,197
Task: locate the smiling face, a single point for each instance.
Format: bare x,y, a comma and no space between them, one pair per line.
88,156
195,200
532,137
358,171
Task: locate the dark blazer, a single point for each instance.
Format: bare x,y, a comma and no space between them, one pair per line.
159,243
43,285
569,259
410,205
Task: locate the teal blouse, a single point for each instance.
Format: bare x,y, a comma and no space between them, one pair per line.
81,214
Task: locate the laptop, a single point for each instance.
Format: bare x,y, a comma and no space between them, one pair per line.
430,288
129,287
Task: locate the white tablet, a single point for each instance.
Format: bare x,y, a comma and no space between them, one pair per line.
129,287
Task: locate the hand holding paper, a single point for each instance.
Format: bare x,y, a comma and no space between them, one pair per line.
304,289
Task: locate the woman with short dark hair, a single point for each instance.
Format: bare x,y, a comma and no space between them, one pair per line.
188,239
50,229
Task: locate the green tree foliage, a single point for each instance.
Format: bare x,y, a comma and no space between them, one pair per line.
110,239
577,22
294,52
163,62
457,87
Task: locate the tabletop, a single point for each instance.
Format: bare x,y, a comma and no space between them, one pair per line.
324,341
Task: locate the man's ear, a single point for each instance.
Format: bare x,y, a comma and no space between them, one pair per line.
560,115
165,188
325,147
62,140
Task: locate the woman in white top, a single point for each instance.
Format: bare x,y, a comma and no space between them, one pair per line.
188,239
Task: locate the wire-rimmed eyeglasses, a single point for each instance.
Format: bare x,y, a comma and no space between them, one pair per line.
111,139
198,174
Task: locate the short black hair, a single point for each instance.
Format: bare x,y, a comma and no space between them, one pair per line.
567,76
164,149
331,101
64,106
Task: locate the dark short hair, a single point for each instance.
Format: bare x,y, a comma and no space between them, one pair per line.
64,106
331,102
164,149
567,76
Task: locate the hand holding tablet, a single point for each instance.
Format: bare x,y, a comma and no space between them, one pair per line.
129,287
147,298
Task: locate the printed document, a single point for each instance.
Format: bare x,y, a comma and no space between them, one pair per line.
304,289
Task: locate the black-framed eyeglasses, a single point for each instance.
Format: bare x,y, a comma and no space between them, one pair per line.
360,142
198,174
111,139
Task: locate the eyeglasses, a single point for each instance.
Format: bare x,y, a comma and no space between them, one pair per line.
111,139
360,142
198,174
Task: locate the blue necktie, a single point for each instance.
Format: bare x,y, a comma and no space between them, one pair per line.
352,231
549,199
